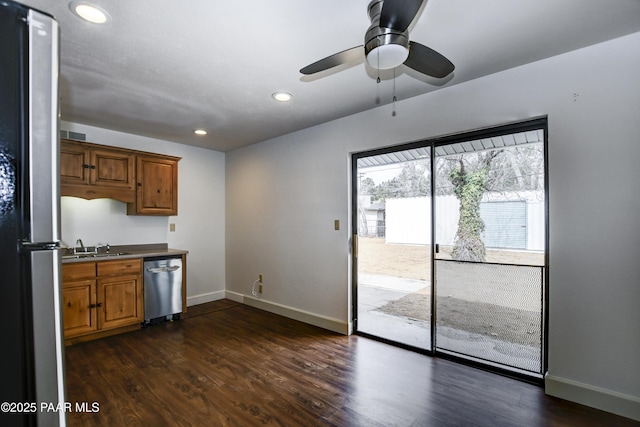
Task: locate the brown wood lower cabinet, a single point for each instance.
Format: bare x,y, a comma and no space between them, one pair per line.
101,298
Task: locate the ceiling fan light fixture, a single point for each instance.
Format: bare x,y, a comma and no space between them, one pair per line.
89,12
387,44
385,48
387,56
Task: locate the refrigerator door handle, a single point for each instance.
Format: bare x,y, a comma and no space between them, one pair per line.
48,334
43,157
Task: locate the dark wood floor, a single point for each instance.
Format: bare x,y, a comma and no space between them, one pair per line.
227,364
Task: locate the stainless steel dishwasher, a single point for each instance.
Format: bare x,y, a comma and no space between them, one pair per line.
162,289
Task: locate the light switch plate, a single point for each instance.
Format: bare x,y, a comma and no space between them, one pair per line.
336,224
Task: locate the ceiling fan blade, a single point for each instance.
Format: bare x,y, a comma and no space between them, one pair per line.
398,14
427,61
334,60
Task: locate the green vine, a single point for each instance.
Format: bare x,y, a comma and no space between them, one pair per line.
469,188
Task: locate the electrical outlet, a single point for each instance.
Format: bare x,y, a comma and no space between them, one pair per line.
259,289
172,227
260,278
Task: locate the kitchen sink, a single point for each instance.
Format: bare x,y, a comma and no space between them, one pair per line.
94,255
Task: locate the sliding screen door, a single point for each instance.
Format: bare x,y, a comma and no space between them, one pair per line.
489,267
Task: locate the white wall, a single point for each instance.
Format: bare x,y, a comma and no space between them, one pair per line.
283,195
199,223
282,200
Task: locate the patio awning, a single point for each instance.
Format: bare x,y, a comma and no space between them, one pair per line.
503,141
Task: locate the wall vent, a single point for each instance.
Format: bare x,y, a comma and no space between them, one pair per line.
73,135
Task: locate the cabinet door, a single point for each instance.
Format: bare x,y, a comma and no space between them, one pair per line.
112,169
74,164
157,192
120,301
79,308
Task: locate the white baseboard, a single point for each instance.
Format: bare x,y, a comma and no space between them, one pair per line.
234,296
314,319
596,397
204,298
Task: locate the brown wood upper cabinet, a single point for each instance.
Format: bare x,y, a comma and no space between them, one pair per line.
147,182
157,186
92,172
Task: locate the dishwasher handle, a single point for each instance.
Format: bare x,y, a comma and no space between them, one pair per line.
163,269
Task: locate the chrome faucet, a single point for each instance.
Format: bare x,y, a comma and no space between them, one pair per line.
79,242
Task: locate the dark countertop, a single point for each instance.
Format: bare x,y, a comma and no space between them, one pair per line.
124,252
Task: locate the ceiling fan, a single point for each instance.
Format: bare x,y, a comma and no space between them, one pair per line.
387,44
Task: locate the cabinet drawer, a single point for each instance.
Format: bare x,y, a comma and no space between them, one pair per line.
126,266
75,271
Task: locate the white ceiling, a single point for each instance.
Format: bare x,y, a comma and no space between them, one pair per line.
161,68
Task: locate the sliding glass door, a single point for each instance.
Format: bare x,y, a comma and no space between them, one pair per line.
393,244
450,246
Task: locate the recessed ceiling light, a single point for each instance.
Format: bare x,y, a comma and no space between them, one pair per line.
282,96
200,132
89,12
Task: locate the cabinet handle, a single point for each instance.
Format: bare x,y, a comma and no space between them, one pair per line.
95,305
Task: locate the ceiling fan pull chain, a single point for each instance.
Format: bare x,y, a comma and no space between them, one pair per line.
393,113
378,67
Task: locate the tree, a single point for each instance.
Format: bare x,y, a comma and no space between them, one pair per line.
413,181
470,178
367,186
517,169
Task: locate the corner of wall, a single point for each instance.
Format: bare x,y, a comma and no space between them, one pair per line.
204,298
314,319
595,397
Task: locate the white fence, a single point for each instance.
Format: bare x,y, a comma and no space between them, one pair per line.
408,220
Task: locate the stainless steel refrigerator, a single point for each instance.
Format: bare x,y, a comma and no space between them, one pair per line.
31,338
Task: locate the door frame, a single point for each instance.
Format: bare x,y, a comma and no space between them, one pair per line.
432,143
